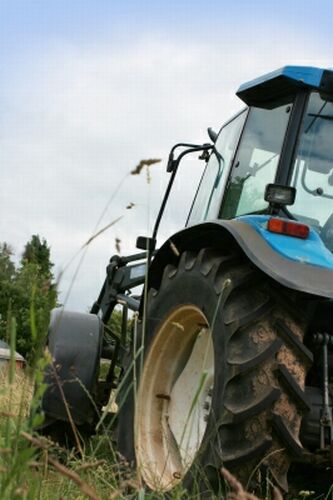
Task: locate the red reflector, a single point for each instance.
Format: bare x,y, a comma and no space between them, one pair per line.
288,228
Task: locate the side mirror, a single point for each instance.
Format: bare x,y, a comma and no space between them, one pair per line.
146,243
212,135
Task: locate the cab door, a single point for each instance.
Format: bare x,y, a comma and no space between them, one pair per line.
208,198
256,161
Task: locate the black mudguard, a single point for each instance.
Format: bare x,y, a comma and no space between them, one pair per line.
74,342
299,276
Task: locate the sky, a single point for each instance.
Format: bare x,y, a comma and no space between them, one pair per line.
89,88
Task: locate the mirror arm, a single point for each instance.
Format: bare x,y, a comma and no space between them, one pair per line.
175,164
171,160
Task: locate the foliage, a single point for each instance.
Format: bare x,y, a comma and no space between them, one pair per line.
115,322
20,287
38,252
7,277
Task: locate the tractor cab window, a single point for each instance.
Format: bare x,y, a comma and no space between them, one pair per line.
208,198
313,170
256,162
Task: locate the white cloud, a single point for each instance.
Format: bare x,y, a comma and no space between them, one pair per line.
75,121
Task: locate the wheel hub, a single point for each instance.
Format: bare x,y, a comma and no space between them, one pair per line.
174,398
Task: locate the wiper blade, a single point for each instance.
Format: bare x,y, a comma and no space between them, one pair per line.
324,117
314,118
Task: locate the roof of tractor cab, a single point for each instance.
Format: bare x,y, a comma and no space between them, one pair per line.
277,87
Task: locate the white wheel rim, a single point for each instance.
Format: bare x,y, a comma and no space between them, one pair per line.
174,398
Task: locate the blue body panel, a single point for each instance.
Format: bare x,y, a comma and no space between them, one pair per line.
310,251
287,81
301,75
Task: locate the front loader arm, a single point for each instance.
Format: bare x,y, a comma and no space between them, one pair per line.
120,278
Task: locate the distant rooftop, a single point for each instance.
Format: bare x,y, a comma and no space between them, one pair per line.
5,352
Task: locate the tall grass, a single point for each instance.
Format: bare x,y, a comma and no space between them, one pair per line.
34,467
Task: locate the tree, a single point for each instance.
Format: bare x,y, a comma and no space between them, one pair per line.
7,277
38,252
35,296
27,293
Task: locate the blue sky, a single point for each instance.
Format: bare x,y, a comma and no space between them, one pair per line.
88,88
28,22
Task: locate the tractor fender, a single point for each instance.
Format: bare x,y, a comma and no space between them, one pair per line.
295,274
74,342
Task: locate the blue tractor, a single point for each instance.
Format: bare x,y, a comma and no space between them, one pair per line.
230,359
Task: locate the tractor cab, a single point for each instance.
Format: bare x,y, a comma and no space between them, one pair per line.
283,137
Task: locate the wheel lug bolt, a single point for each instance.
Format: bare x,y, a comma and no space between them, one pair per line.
163,396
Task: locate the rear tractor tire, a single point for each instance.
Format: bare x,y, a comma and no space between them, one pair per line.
222,381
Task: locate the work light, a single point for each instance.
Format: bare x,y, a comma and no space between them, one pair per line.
279,194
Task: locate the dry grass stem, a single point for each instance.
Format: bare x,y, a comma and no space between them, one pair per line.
101,231
277,494
92,465
238,492
117,245
130,484
144,163
69,415
73,476
41,443
35,465
7,414
174,249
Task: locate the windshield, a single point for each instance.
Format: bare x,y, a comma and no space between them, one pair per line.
313,169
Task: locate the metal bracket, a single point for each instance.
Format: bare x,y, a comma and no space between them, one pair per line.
120,278
324,340
122,275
